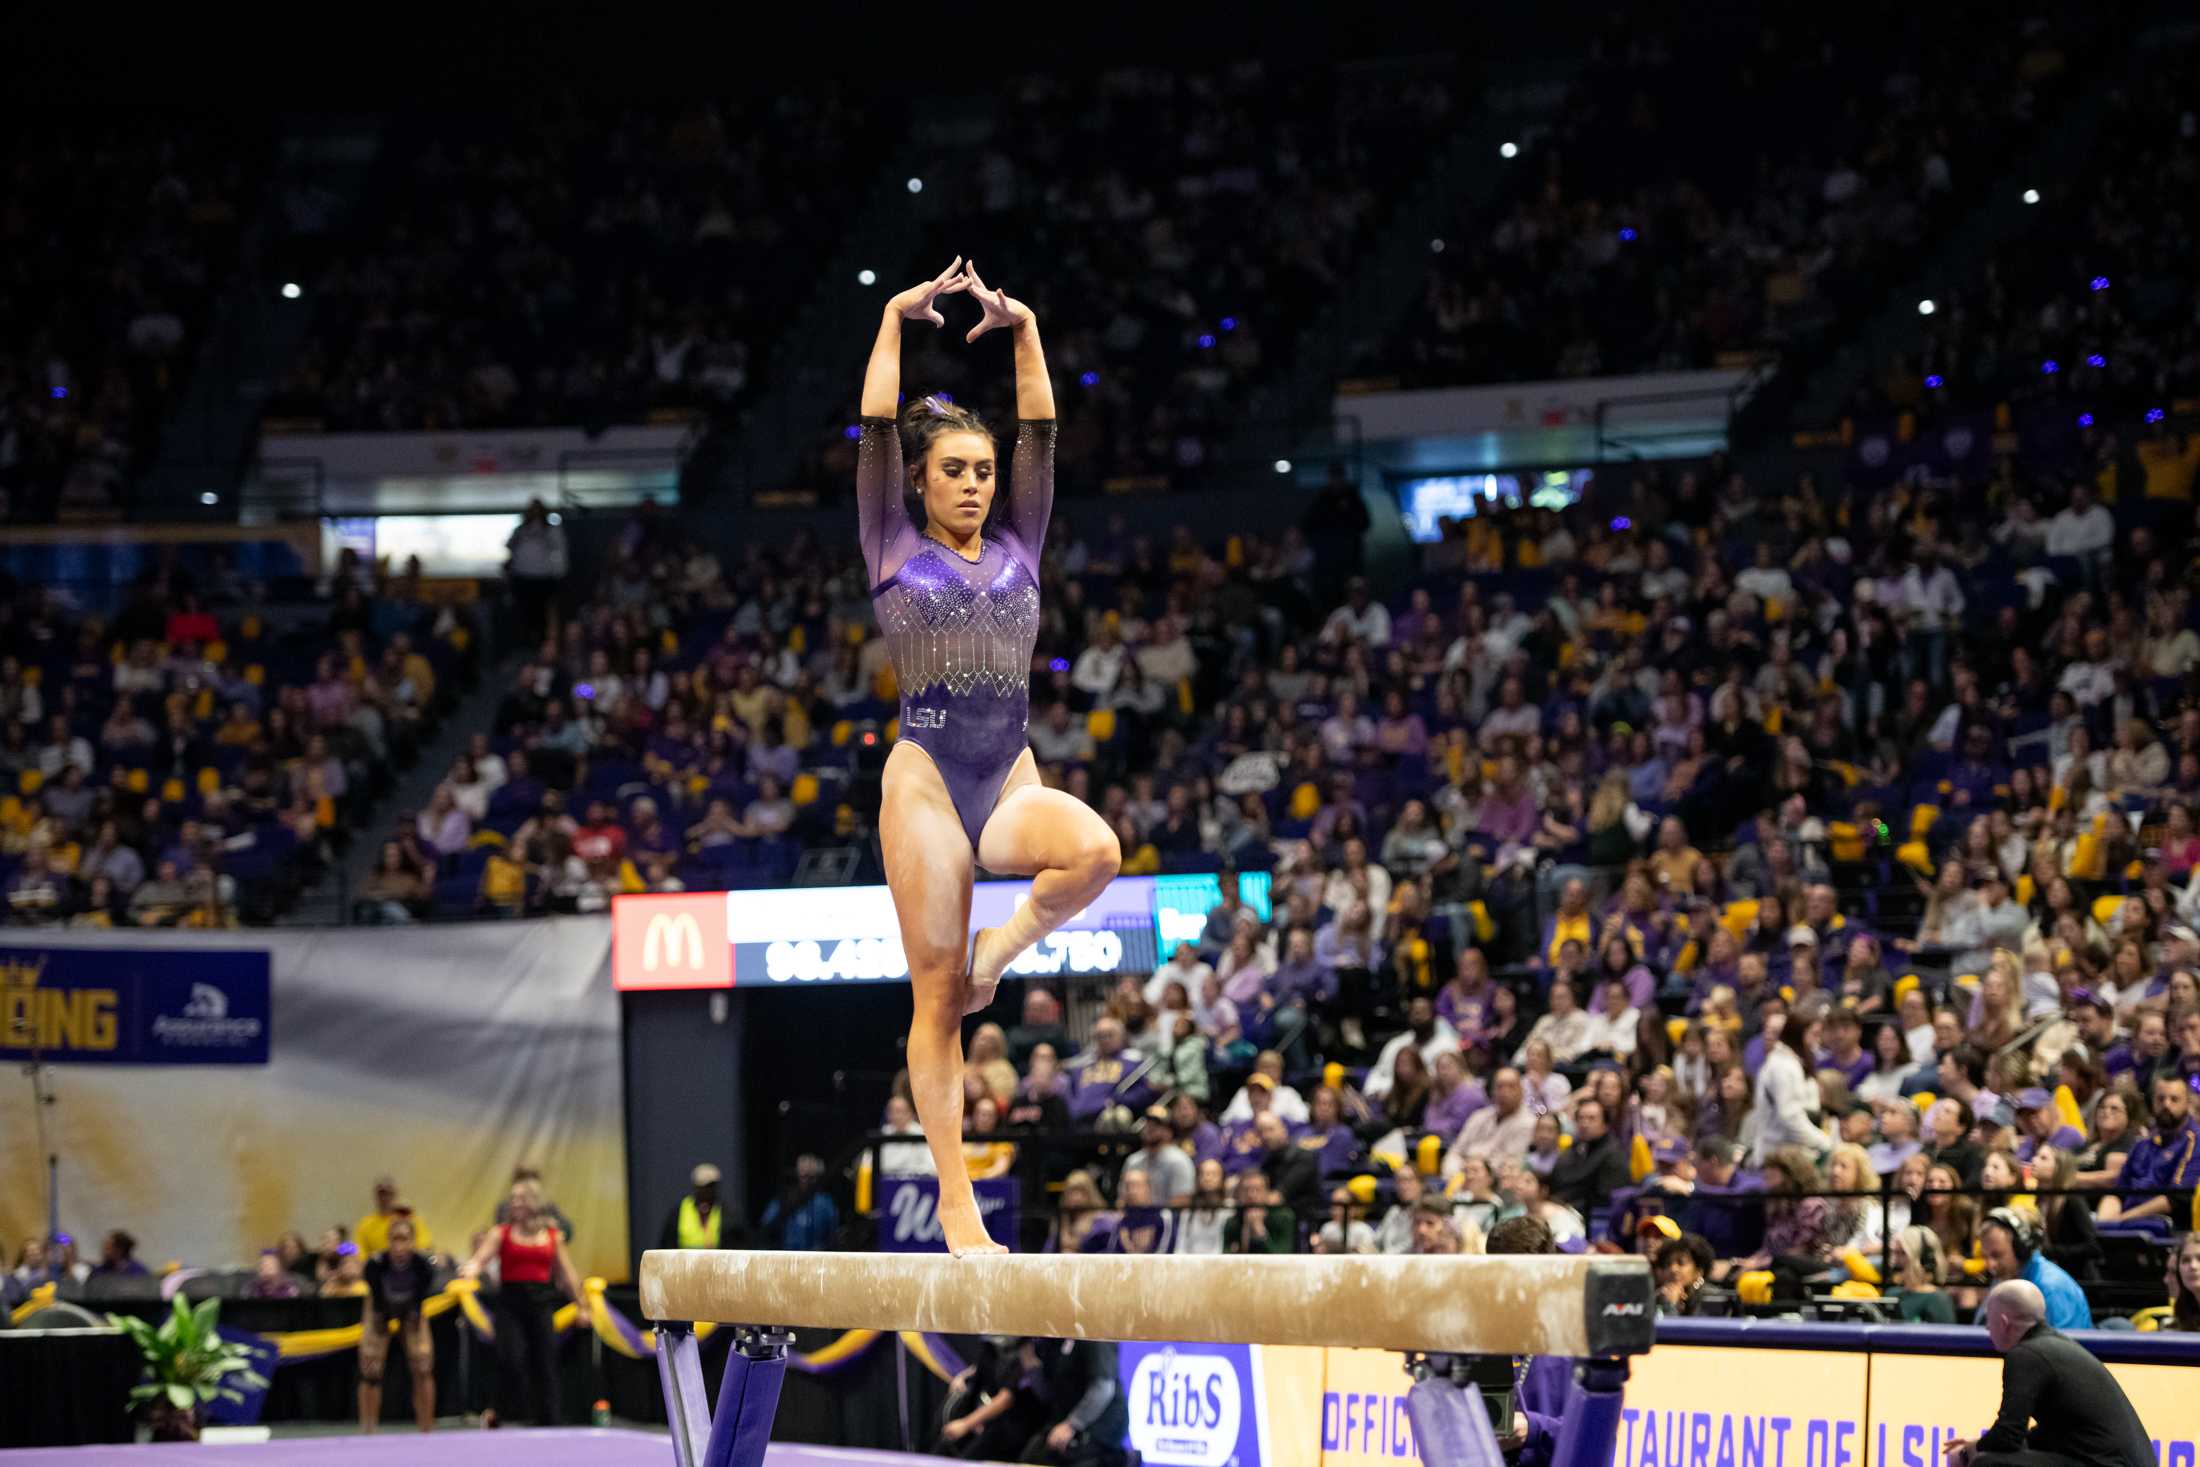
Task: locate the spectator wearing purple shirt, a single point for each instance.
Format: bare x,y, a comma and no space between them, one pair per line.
1844,1053
1509,816
1242,1146
1464,1002
2040,1124
1194,1132
1452,1097
1095,1075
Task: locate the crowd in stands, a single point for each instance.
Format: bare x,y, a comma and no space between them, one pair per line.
1174,230
198,758
115,235
575,265
1651,229
1716,844
2089,312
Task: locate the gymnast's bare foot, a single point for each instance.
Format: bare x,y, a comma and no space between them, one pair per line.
982,975
966,1235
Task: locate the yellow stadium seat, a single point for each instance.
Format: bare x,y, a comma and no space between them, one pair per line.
1861,1271
1913,854
1485,927
1850,775
1846,840
2024,890
1362,1188
1905,986
1855,1289
217,650
256,675
1392,1159
1755,1286
29,782
171,792
1184,702
805,789
210,780
1640,1162
1566,1143
1738,915
1305,800
250,628
138,781
893,729
1100,723
1967,981
1924,1100
2066,1108
34,676
2106,907
485,839
2151,1320
460,638
798,640
1428,1154
1675,1030
843,731
1922,819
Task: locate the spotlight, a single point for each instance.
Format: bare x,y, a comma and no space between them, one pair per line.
853,430
1229,323
2031,196
866,277
1926,307
1508,150
291,291
1059,664
1283,466
556,518
1206,341
209,498
1435,246
2085,420
916,185
2099,282
1089,379
1627,235
60,393
2050,367
2096,360
2154,415
1935,380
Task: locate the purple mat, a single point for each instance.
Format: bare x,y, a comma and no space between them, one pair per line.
582,1447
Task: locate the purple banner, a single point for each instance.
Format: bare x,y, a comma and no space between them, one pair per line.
908,1213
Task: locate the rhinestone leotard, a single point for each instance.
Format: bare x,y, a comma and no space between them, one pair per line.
960,632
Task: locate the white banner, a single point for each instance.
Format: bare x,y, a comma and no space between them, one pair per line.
1664,401
442,1055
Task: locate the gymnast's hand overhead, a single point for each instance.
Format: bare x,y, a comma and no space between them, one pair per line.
1001,309
917,303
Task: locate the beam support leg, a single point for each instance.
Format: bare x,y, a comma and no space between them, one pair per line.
687,1407
748,1397
1450,1424
1590,1434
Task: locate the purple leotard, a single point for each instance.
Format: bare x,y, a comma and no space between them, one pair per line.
960,632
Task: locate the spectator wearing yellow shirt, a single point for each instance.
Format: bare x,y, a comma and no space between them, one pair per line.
2168,461
372,1232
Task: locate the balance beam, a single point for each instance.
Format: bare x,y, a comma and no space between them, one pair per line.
1463,1304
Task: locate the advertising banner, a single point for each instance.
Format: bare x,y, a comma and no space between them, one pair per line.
134,1006
445,1054
1200,1405
1695,1406
849,934
908,1213
1222,1405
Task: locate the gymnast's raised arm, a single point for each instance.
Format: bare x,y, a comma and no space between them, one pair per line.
880,515
1031,475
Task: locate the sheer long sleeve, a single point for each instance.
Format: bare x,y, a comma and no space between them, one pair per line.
1031,490
882,515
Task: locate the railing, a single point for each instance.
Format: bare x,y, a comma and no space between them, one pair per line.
1731,399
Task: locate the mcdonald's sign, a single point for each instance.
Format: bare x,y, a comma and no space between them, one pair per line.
672,941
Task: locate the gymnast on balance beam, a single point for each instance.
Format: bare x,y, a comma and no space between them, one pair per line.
956,591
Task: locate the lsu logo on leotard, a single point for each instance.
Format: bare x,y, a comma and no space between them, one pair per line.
926,718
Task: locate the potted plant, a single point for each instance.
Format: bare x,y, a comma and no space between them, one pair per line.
188,1364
